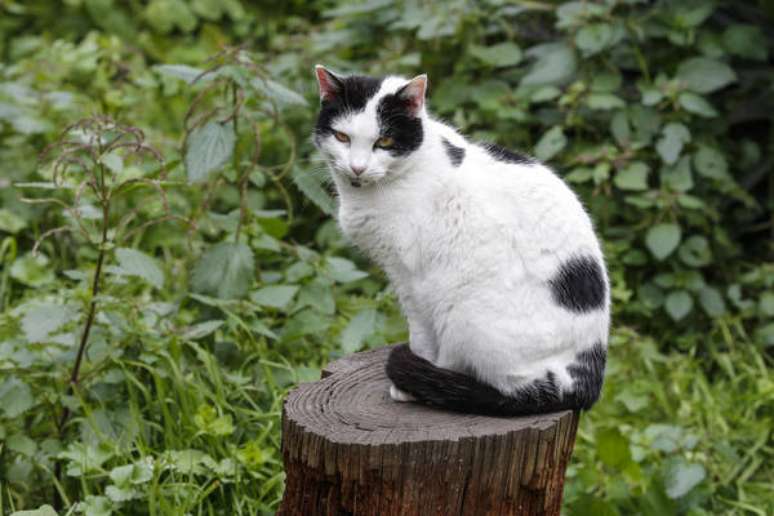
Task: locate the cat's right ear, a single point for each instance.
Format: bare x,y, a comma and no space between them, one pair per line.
330,85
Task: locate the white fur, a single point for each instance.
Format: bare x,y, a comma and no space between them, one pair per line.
468,249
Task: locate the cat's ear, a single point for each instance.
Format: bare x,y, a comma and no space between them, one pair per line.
414,93
330,85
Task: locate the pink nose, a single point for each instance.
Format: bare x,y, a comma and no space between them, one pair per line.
357,170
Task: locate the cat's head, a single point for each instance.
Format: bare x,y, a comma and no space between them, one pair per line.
368,126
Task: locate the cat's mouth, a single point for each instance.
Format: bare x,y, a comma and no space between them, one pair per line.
355,182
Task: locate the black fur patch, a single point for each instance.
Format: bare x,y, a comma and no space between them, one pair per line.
397,122
507,156
456,154
579,286
353,95
589,374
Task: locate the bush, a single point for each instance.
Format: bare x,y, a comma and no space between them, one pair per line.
222,280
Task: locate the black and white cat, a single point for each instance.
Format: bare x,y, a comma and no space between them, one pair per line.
493,258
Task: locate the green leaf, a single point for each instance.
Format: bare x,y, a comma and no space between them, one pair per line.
712,302
550,144
683,476
593,38
633,177
32,271
183,72
662,239
276,296
42,319
619,127
343,270
604,101
360,327
612,448
207,149
499,55
305,322
555,64
135,263
311,184
705,75
202,329
11,222
277,92
15,397
695,251
226,271
678,304
673,136
746,41
696,104
43,510
678,177
710,162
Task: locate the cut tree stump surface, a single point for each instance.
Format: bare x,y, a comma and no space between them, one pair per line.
350,450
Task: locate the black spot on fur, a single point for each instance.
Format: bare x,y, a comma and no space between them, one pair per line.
588,374
507,156
397,122
579,285
353,95
456,154
460,392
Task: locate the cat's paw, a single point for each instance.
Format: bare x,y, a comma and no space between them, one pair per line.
398,395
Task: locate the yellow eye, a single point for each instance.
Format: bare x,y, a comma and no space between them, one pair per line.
341,137
385,142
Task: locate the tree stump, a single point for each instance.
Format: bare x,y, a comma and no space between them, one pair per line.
349,449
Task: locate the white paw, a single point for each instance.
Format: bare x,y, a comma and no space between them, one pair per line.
398,395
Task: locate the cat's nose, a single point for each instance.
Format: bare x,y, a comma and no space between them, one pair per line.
357,170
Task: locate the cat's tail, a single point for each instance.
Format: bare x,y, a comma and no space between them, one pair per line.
459,392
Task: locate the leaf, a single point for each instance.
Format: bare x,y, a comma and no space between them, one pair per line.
746,41
662,239
550,144
181,71
593,38
136,263
710,162
673,137
42,319
277,92
612,448
32,271
361,326
15,397
43,510
705,75
343,270
619,127
696,104
678,304
678,176
555,64
683,476
201,330
311,186
11,222
276,296
633,177
604,101
695,251
712,302
499,55
207,149
225,271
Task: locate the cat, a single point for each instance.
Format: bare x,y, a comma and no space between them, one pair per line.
493,258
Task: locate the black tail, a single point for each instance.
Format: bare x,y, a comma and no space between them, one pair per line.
459,392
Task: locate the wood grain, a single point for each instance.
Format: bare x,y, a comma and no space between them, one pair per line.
350,450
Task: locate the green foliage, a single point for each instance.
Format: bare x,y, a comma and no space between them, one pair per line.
196,265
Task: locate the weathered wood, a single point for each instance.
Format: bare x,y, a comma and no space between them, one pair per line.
350,450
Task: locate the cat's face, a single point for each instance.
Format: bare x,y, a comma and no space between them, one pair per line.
368,127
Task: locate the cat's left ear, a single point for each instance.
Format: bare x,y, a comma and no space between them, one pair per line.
414,93
330,84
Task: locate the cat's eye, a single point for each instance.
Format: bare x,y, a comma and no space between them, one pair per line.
343,138
385,142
